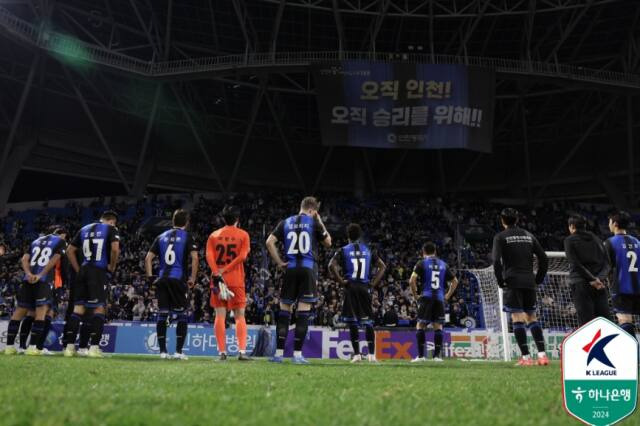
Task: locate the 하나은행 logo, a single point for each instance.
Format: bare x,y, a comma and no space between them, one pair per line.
600,373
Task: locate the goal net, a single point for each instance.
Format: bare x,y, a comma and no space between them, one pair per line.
555,310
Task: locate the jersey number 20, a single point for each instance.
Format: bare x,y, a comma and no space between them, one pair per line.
300,243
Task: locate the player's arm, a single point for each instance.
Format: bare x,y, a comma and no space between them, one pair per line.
49,266
453,284
611,254
114,240
245,248
606,261
543,261
325,237
271,245
334,268
381,268
413,285
210,254
195,261
24,262
151,254
496,254
72,252
194,268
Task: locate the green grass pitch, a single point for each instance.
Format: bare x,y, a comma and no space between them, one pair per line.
136,390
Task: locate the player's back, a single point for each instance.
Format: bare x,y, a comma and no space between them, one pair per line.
300,233
517,256
41,251
228,242
357,262
433,277
94,240
173,248
626,250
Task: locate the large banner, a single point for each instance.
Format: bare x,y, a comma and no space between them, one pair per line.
140,338
404,105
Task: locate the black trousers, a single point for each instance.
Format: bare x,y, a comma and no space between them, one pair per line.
590,303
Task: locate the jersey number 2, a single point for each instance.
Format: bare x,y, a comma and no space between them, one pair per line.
633,260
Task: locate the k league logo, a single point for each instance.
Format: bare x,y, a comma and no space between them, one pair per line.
600,373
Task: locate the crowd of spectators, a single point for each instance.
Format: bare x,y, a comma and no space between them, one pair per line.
395,226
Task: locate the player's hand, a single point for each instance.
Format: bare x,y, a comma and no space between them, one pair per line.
191,283
32,279
111,269
597,284
283,265
344,282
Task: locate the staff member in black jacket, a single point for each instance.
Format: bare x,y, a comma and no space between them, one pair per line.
588,267
513,251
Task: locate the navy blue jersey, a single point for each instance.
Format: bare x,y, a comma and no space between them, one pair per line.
434,275
94,240
624,255
173,248
300,235
40,253
356,259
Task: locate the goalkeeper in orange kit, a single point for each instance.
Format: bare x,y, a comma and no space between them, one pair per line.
227,249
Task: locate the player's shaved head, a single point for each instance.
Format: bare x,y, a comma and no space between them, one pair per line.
309,203
621,219
429,248
181,218
509,216
354,232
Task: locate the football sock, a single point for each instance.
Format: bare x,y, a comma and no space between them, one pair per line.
629,328
354,333
302,324
538,336
221,333
181,334
12,332
72,328
97,326
161,332
520,332
420,336
36,332
371,339
45,330
437,341
25,329
85,332
282,329
241,333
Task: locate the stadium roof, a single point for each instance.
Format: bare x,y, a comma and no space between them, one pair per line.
216,95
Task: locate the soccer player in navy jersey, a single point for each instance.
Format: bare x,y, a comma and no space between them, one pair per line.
100,246
300,235
352,266
36,291
624,251
432,274
173,248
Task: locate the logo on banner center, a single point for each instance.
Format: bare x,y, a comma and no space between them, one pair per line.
600,373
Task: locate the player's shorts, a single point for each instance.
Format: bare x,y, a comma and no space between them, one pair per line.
30,296
626,304
518,300
298,284
357,304
238,301
91,287
430,310
172,295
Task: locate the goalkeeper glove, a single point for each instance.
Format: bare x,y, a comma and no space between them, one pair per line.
225,293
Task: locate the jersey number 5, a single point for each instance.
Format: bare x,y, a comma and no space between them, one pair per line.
435,280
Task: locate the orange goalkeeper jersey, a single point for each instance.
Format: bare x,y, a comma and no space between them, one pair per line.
228,248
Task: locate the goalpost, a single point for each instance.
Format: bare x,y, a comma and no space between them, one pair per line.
555,309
